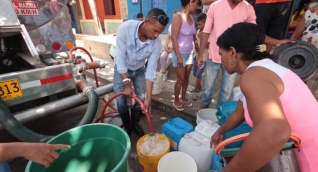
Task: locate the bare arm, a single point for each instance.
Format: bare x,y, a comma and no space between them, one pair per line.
175,28
196,45
271,129
38,152
234,120
275,42
203,41
299,30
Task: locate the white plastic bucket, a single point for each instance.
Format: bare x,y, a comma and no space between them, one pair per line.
156,89
177,162
207,114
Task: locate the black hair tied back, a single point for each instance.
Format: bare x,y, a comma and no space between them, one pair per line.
244,37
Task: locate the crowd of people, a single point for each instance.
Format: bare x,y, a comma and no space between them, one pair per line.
234,37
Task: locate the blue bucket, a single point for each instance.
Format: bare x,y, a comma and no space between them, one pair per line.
217,162
224,112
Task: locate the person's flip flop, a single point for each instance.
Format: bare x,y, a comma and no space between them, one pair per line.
187,103
178,108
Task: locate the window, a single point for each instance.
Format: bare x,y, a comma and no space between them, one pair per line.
109,7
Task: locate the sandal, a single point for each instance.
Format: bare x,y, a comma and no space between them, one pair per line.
178,108
187,103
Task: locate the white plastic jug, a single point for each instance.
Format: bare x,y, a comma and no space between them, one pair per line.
198,147
177,162
156,89
207,128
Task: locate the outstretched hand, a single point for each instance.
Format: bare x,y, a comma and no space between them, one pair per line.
283,41
43,153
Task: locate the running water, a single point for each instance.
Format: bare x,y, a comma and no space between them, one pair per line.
153,146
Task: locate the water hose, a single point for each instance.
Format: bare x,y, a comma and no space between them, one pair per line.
90,57
92,106
14,127
240,137
134,97
94,70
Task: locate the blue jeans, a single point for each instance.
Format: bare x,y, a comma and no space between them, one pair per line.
227,83
196,71
139,81
4,167
187,59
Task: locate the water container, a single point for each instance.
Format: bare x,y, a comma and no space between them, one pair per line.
175,129
94,147
216,164
207,128
198,147
177,162
156,89
207,114
225,111
148,158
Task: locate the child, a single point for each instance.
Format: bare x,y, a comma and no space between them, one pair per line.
166,55
197,72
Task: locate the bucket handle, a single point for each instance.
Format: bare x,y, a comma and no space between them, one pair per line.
240,137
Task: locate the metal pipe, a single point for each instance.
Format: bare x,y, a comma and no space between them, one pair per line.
57,106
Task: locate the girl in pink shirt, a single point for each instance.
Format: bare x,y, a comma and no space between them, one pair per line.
183,41
274,101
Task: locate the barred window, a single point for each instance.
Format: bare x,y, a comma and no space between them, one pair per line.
109,7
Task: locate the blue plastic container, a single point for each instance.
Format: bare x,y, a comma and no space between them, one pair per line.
225,111
175,129
216,162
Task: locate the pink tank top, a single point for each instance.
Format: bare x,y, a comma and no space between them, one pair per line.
301,110
185,36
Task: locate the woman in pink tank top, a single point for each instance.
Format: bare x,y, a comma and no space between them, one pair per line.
183,41
274,101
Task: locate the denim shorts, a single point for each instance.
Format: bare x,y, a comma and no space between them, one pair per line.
196,71
186,58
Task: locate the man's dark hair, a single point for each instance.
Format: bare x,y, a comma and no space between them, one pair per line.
154,13
184,3
201,17
140,15
252,36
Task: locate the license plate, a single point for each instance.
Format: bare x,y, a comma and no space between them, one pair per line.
10,89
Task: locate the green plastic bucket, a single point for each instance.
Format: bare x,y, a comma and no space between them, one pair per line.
94,147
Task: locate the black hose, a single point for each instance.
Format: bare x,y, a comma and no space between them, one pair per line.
91,108
14,127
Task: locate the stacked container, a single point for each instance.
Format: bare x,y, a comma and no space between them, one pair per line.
197,144
175,129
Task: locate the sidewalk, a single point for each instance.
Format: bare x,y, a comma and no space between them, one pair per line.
99,47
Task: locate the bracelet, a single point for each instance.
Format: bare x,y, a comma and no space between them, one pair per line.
126,79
